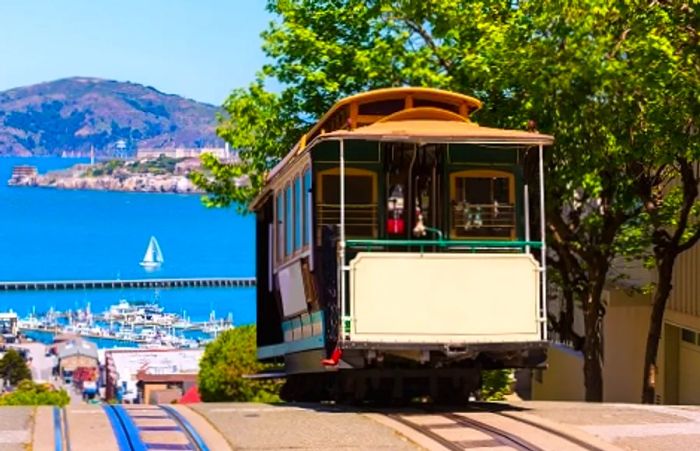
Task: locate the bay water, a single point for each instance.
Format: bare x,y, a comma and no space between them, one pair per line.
50,234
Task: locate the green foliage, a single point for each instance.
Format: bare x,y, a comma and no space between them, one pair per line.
161,165
13,368
29,393
496,384
231,356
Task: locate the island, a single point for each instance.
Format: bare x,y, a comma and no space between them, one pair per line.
159,175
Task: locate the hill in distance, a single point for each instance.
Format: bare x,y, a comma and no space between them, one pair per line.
75,114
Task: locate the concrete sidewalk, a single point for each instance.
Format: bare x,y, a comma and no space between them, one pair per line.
628,426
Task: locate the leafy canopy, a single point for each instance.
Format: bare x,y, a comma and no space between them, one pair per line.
13,368
226,360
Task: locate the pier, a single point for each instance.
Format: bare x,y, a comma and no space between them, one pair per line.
59,285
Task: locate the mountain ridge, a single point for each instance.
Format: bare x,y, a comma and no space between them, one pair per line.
80,113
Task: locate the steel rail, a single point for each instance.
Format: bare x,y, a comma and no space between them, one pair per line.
193,436
60,430
568,437
426,431
130,428
120,433
502,436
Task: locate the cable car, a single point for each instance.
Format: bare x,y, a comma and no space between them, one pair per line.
397,252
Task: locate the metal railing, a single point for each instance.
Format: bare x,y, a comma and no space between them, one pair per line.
472,217
360,219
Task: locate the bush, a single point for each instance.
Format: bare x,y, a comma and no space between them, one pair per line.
29,393
13,368
495,385
231,356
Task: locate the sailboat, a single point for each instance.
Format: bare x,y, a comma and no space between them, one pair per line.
153,257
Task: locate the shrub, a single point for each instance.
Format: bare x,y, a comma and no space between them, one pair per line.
226,360
495,385
29,393
13,368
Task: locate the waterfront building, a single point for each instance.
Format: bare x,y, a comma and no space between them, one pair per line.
8,327
76,354
23,172
182,152
133,375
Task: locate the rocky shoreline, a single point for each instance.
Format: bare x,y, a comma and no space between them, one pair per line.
81,177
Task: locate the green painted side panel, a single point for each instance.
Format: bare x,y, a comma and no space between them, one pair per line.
355,151
468,153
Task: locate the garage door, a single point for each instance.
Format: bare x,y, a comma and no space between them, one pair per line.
689,368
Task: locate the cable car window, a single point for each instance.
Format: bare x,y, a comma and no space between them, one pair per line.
280,227
298,213
482,204
307,188
360,201
289,221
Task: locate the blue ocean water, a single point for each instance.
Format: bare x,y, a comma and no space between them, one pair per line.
48,234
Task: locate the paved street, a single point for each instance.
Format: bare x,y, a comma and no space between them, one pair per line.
259,426
249,426
15,428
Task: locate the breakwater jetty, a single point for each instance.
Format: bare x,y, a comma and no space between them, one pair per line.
59,285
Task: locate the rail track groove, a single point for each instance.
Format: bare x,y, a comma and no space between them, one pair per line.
145,427
479,428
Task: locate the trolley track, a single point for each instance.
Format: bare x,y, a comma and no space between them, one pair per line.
60,426
142,427
460,430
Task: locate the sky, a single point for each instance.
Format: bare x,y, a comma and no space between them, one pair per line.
197,49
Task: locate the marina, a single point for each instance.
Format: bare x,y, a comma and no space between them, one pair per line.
129,324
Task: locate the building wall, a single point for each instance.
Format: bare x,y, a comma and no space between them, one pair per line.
686,287
72,362
149,388
563,378
624,340
625,333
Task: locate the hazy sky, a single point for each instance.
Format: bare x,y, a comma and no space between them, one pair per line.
198,49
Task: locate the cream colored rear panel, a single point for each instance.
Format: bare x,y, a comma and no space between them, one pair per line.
411,297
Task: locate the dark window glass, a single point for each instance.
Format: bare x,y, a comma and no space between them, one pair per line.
481,207
289,221
280,227
688,336
298,213
432,103
360,208
383,107
307,189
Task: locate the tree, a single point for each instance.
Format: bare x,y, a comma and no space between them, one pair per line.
668,187
13,368
578,69
226,360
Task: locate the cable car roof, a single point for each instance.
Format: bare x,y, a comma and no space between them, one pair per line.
436,126
426,116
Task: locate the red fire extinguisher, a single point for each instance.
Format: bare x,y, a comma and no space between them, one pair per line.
394,222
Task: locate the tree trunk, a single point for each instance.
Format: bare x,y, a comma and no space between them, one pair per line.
593,314
593,352
661,295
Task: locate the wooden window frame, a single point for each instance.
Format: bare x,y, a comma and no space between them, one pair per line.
349,171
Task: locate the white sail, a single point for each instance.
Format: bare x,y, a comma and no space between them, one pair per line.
153,255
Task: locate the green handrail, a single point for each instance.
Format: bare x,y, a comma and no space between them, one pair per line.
445,243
